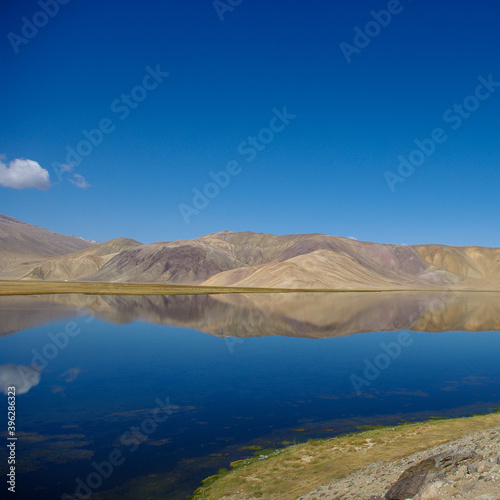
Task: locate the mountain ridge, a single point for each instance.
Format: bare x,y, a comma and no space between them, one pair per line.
248,259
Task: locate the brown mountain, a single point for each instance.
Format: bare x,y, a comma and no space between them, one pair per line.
17,237
264,260
31,252
184,261
254,260
320,261
22,245
480,263
79,264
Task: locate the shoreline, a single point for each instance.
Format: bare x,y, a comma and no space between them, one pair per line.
348,461
26,287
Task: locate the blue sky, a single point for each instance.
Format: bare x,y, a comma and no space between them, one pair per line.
307,111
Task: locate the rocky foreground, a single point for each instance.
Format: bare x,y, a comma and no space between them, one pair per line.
465,469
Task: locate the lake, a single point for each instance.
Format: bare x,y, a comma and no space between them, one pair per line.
134,397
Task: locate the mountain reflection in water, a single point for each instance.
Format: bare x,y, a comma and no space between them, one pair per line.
306,315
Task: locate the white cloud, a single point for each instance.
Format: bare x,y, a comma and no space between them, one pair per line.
79,181
23,378
23,174
352,238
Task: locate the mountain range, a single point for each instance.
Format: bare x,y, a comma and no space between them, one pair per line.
246,259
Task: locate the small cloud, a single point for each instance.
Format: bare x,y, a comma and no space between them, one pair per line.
23,174
352,238
79,181
71,374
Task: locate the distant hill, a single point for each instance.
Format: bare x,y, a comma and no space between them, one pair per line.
185,261
247,259
17,237
254,259
31,252
21,244
323,261
79,264
350,265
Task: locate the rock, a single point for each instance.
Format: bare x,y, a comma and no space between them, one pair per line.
414,479
430,492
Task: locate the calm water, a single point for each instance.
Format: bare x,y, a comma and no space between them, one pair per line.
137,397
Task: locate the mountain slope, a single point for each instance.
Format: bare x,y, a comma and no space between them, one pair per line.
185,261
321,261
468,262
17,237
21,244
80,264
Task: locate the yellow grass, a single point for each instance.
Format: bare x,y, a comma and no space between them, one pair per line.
297,470
27,287
13,287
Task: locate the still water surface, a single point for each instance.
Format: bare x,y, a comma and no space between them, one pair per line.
130,397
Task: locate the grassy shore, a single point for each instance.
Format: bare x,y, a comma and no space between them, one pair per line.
13,287
297,470
27,287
